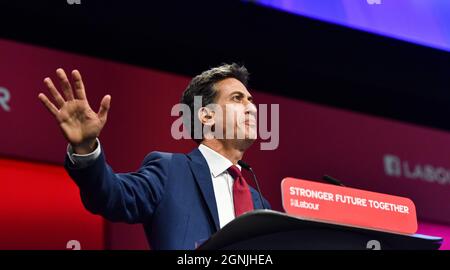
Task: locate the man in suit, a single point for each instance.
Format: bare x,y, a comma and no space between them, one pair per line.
181,199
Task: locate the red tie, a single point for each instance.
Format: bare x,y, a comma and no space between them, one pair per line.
241,192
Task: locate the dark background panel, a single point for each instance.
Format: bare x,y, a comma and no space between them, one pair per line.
287,55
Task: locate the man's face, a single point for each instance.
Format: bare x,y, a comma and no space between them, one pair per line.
238,117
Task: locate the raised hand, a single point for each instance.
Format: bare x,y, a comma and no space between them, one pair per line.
78,122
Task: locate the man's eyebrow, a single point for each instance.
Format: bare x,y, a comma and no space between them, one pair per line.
241,93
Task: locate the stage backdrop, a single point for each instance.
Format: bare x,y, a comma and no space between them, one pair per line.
362,151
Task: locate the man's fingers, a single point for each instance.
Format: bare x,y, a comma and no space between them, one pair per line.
78,83
48,104
56,95
65,84
104,107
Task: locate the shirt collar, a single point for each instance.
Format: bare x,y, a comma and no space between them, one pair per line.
216,162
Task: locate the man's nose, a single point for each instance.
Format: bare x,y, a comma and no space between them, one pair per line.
250,108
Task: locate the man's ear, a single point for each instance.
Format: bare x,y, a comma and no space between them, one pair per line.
206,116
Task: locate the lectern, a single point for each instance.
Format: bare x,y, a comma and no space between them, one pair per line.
272,230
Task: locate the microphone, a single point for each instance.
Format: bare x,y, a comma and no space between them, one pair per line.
248,168
332,180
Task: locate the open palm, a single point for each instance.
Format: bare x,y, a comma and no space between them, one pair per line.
78,122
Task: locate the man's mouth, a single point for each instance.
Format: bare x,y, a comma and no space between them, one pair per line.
250,123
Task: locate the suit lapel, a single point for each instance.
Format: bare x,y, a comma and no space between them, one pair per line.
202,175
255,197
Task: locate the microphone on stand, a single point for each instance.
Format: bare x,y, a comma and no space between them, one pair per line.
248,168
332,180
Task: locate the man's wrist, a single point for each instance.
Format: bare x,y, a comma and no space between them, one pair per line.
85,148
80,160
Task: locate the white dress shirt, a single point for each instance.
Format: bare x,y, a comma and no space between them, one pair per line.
222,181
82,161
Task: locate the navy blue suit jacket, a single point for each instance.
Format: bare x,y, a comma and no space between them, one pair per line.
171,195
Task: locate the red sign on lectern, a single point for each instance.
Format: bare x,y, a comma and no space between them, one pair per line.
348,206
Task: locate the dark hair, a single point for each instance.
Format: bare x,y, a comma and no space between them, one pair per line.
203,85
